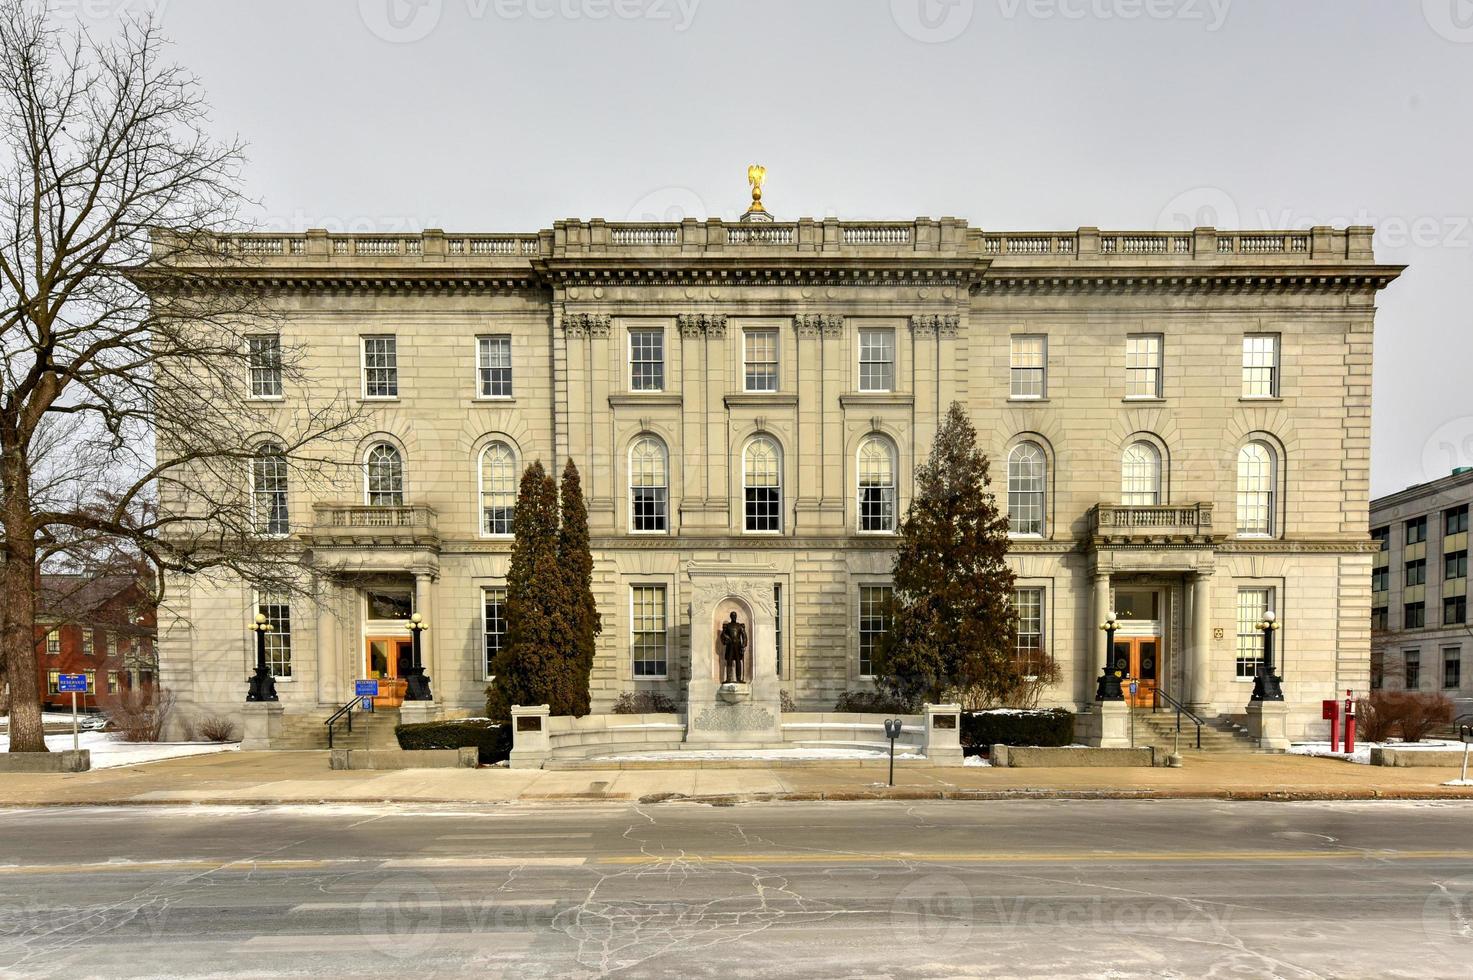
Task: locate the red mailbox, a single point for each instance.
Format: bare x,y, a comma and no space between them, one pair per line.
1330,711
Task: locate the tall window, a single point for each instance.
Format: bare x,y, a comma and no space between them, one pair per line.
384,471
649,486
493,366
498,489
278,612
1140,475
1261,366
1380,618
759,357
1455,565
876,485
1380,579
1413,661
268,489
1252,604
647,615
1415,572
381,367
1028,362
1256,490
647,360
53,642
1029,647
1454,610
1027,475
89,648
874,619
1455,520
264,364
1452,668
763,484
493,625
877,360
1414,615
1416,530
1143,366
1381,537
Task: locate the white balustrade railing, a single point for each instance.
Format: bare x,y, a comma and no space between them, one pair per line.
877,235
644,235
760,235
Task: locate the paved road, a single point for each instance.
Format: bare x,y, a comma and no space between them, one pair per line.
1105,889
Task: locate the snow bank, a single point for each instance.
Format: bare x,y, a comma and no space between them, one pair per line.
1362,753
109,752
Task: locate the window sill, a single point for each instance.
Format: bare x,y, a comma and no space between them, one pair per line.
377,399
1260,398
494,400
1137,399
737,399
265,398
874,399
1026,398
644,398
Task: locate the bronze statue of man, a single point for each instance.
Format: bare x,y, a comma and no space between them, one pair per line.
733,650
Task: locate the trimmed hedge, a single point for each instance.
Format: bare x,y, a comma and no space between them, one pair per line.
491,739
644,703
1051,728
872,702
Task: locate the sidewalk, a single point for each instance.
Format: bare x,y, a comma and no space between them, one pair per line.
303,777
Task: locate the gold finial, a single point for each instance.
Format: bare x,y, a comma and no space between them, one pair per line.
757,176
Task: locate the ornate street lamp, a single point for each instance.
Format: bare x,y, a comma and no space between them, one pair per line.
1266,682
263,685
1109,689
417,684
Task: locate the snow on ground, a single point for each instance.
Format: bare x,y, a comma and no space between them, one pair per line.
976,760
59,718
1362,753
762,755
110,752
1459,782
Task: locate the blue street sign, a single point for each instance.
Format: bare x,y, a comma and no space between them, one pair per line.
1135,688
71,684
365,689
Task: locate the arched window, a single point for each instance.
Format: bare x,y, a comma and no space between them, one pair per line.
498,489
763,482
1027,476
649,486
1140,475
268,489
876,485
1256,483
384,472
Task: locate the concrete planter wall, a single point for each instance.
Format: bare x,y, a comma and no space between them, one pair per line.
68,761
1025,757
1430,758
463,758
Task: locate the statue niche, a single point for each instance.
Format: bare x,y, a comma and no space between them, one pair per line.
733,640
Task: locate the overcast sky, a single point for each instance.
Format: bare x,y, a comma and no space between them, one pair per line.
503,115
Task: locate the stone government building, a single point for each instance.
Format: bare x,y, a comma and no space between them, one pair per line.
1179,427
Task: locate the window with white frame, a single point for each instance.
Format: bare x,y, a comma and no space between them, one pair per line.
384,476
1028,648
1261,365
1252,604
1143,366
493,366
89,646
493,625
877,360
498,489
381,366
876,485
762,486
649,486
1140,475
278,612
875,604
1256,486
647,360
649,630
1027,477
1028,366
1412,663
264,364
53,642
268,489
759,358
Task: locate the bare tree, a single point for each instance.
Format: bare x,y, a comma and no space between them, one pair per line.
126,423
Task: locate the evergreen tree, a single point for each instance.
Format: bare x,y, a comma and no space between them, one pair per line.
953,623
575,558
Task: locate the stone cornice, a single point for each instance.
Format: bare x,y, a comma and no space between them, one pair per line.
1077,278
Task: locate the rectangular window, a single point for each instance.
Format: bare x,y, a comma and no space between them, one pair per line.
759,356
493,366
1416,572
1452,668
1143,366
1380,579
493,625
1414,616
89,648
1455,565
264,364
53,642
1413,662
1455,520
1029,647
1454,610
1381,537
1380,618
647,360
1028,363
53,681
1417,530
381,367
777,622
278,612
1252,604
113,684
108,644
874,620
1261,366
877,360
647,617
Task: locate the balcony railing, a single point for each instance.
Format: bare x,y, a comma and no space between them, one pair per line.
361,524
1142,524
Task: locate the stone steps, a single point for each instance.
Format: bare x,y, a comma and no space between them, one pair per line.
370,731
1159,729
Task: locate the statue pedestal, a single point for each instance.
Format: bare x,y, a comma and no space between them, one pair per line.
732,714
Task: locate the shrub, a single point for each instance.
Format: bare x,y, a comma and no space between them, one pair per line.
491,740
1422,713
140,714
187,729
1377,716
873,702
643,703
1053,727
216,729
786,702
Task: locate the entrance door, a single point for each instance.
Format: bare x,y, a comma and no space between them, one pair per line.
1145,665
386,658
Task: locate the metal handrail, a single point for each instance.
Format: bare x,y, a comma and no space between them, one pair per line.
332,719
1181,709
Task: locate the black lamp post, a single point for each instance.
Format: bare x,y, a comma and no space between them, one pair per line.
263,685
1266,682
1109,688
417,684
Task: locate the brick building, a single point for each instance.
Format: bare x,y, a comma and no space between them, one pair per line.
104,627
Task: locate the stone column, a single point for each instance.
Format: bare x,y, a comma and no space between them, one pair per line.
330,665
1102,612
809,449
424,604
924,365
1200,676
837,379
689,458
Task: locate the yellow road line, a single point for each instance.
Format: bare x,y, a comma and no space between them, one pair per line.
1027,858
137,866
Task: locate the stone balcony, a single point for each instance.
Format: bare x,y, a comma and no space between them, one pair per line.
358,525
1118,524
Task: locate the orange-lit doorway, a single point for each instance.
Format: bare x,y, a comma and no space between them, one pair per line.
385,659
